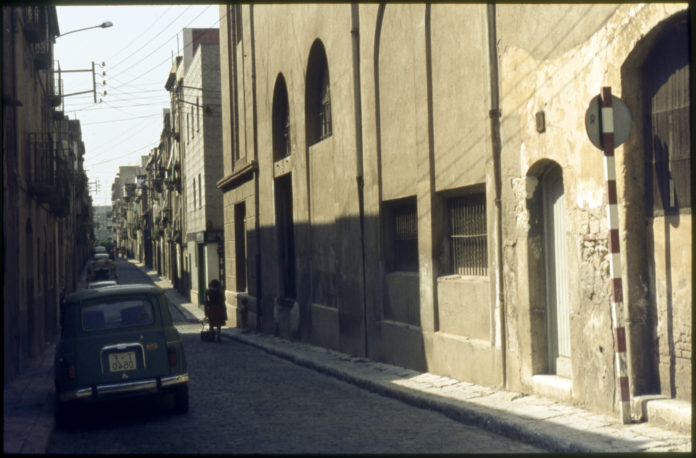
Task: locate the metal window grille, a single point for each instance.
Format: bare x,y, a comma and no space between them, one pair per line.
286,137
468,235
406,238
325,108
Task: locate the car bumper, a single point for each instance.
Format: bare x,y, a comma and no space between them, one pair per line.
136,386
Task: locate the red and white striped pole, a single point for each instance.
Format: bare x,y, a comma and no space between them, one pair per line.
617,305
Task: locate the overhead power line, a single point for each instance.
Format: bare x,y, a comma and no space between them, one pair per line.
120,120
146,147
157,49
147,29
165,60
151,40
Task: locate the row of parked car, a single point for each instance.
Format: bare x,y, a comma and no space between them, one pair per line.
117,341
101,268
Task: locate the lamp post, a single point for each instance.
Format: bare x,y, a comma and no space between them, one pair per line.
103,25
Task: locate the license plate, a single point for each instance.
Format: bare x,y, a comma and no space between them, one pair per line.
119,362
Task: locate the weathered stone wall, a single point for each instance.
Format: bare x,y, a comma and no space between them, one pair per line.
554,59
424,90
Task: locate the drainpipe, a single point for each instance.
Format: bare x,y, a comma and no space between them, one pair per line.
496,146
259,284
355,35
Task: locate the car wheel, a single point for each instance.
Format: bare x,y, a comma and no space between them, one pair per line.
181,398
65,414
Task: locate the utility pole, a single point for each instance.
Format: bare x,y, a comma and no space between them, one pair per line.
94,80
94,186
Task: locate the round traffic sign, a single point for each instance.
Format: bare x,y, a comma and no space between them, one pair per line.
622,121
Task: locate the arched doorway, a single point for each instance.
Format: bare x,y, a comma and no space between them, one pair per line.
547,263
667,155
655,80
556,272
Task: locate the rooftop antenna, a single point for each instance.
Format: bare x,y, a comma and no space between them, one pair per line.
177,44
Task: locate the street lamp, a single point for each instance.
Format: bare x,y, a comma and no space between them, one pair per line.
103,25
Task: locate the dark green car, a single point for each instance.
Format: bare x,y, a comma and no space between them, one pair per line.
118,341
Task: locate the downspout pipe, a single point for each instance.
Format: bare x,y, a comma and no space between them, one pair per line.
257,209
496,146
357,97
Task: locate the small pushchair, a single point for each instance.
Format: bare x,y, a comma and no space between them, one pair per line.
207,335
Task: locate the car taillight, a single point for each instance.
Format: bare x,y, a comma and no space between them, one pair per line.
172,356
68,366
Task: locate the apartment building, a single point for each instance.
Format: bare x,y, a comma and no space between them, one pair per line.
47,230
196,97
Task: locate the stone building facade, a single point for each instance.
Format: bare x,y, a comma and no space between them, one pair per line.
47,223
414,184
103,226
125,208
202,165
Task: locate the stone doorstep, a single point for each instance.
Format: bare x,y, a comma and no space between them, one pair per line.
553,387
673,414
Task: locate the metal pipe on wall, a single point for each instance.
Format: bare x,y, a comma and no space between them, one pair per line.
357,97
259,270
496,145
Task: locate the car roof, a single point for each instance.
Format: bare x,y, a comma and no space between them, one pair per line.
108,292
102,282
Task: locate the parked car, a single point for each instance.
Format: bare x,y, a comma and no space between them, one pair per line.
101,284
99,249
118,341
100,267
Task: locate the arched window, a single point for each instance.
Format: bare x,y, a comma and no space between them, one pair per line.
318,95
282,145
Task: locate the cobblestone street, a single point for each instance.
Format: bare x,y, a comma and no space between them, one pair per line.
246,401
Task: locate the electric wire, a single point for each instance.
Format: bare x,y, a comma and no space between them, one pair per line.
147,29
148,146
162,62
149,42
157,49
121,120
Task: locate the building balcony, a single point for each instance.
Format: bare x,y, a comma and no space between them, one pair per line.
48,176
173,184
34,24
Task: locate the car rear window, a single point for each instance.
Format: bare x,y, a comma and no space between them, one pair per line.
117,314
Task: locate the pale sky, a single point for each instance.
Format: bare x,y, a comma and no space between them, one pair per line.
137,51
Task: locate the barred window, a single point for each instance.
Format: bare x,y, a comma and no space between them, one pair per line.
468,235
282,145
317,96
325,109
405,238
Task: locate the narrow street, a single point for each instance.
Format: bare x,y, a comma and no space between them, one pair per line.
246,401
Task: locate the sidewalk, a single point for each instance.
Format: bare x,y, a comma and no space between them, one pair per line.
532,419
28,402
